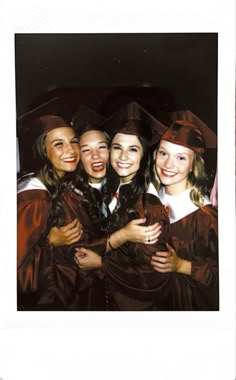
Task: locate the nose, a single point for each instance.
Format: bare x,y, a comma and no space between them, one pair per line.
70,148
123,155
168,162
95,153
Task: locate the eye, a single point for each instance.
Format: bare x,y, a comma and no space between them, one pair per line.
116,147
85,150
59,143
75,142
133,149
161,153
181,158
103,146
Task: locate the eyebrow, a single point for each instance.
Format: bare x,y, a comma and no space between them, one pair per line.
129,146
61,139
99,142
166,150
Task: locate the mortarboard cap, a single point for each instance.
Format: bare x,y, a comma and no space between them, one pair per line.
134,119
86,120
54,106
188,116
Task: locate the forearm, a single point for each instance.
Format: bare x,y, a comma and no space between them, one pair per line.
115,240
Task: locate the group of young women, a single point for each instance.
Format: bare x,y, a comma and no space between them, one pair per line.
115,220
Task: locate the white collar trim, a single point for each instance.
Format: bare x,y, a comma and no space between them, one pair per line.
30,184
179,205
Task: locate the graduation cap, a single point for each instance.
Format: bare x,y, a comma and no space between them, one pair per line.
26,123
135,120
86,120
210,139
39,119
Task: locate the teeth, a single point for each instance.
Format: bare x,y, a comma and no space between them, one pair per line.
124,166
69,159
97,165
170,174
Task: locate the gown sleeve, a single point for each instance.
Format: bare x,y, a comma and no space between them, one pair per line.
32,215
205,252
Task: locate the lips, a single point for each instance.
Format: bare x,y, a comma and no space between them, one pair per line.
167,174
98,166
123,165
70,160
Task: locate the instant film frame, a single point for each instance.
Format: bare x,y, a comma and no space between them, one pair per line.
177,345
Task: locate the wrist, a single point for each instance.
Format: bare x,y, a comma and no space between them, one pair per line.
184,266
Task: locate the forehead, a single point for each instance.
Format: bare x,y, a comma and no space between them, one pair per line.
126,140
91,137
175,148
60,133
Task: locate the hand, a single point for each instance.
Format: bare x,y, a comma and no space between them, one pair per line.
135,233
168,261
66,235
87,259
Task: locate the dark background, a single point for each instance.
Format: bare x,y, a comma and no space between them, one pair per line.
162,72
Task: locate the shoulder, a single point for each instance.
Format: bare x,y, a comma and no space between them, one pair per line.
31,189
208,211
30,183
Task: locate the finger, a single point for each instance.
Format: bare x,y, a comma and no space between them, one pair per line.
161,260
154,227
162,254
170,249
138,221
161,266
81,250
161,270
73,232
69,226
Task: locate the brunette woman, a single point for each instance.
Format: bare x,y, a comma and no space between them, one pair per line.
46,278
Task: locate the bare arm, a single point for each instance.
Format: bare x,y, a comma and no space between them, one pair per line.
135,233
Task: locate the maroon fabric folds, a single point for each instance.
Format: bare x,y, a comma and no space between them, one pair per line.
134,285
48,277
186,134
195,238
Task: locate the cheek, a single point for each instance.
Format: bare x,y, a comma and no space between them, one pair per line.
84,160
51,154
157,162
106,156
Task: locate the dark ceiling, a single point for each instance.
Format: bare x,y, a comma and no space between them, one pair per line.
163,72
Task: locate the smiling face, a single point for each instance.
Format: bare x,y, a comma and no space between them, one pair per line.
125,155
62,150
94,155
173,163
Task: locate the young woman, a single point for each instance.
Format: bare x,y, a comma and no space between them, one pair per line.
181,183
45,280
133,285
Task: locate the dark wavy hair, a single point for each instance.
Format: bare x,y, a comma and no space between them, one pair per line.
92,204
130,193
